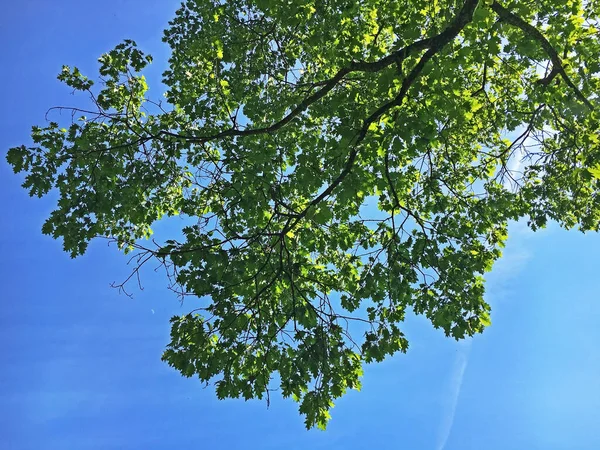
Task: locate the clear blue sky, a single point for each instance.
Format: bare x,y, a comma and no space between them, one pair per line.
81,364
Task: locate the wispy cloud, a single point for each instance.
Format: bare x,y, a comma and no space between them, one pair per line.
500,285
516,256
514,166
453,393
517,163
524,143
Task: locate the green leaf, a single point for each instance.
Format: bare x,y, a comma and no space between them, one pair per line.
595,171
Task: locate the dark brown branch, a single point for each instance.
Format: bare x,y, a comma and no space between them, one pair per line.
548,78
534,33
436,44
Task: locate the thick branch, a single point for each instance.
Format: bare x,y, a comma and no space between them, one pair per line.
534,33
437,43
434,44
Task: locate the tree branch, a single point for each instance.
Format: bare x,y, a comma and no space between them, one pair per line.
436,44
534,33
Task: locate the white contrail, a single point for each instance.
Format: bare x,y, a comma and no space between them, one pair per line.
458,372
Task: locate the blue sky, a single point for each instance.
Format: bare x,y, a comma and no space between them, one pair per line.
81,366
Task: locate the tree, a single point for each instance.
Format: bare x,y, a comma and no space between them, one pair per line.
343,162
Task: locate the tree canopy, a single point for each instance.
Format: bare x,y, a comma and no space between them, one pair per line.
342,162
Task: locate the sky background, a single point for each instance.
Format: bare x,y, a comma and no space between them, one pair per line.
81,363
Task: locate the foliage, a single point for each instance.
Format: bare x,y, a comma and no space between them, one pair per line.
344,161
